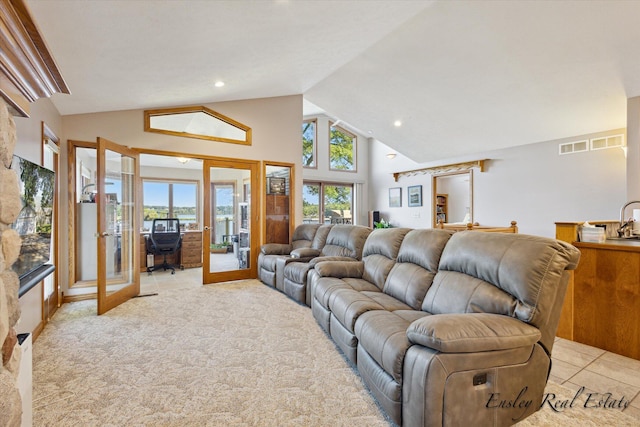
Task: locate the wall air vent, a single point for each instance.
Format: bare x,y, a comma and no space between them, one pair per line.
607,142
573,147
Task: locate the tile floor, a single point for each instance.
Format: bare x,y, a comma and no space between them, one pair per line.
575,365
578,365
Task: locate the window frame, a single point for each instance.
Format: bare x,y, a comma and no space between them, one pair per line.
355,147
314,150
321,195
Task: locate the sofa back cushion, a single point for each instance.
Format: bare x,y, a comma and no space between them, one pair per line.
511,274
320,238
303,235
416,265
380,252
346,241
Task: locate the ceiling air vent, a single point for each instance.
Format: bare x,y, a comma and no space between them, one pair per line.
607,142
573,147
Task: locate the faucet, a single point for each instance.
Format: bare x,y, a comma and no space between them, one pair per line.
625,224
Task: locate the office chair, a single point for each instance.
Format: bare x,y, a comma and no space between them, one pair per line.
165,239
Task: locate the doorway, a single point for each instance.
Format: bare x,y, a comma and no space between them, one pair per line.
103,179
231,227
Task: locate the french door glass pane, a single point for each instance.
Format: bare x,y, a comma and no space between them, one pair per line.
119,211
230,219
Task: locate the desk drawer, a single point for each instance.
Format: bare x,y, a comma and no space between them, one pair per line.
192,237
192,246
192,258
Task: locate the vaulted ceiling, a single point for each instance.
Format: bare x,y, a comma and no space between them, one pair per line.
461,76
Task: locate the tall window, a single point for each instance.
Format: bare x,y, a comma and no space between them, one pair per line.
342,149
170,199
310,203
309,144
335,201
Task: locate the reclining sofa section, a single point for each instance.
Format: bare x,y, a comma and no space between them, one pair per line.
305,236
448,328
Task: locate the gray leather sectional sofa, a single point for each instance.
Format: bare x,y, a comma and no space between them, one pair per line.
447,328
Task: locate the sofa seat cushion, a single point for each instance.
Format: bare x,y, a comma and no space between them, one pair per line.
348,304
326,286
383,335
472,333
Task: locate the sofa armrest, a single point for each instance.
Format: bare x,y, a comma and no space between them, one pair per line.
275,249
306,253
340,269
472,332
316,260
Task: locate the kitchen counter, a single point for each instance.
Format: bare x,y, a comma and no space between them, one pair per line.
602,304
631,245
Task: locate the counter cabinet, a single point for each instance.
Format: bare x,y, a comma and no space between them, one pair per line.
602,305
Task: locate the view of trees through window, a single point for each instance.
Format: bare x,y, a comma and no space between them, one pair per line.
342,150
334,200
169,199
309,143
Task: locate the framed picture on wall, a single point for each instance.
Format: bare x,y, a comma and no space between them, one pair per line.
414,194
395,197
276,185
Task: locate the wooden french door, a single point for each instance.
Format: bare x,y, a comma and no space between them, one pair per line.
231,219
118,172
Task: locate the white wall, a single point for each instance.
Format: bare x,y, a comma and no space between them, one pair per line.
322,173
530,184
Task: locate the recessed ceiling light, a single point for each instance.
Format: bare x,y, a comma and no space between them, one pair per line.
397,123
219,84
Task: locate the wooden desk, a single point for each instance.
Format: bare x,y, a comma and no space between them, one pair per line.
188,256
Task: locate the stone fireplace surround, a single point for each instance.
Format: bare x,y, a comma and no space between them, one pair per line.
10,205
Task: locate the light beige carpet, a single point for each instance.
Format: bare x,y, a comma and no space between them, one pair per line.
235,354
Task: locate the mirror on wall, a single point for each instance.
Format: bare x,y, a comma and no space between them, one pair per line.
453,198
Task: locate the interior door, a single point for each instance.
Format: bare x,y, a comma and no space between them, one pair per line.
231,226
118,171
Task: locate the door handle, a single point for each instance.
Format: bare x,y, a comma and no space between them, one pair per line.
206,228
105,234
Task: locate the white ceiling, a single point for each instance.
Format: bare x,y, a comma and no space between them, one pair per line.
463,76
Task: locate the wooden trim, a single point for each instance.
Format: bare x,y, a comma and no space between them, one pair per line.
451,168
76,298
197,109
107,299
256,210
51,304
28,70
315,143
71,204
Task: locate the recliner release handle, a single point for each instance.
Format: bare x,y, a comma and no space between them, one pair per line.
480,379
